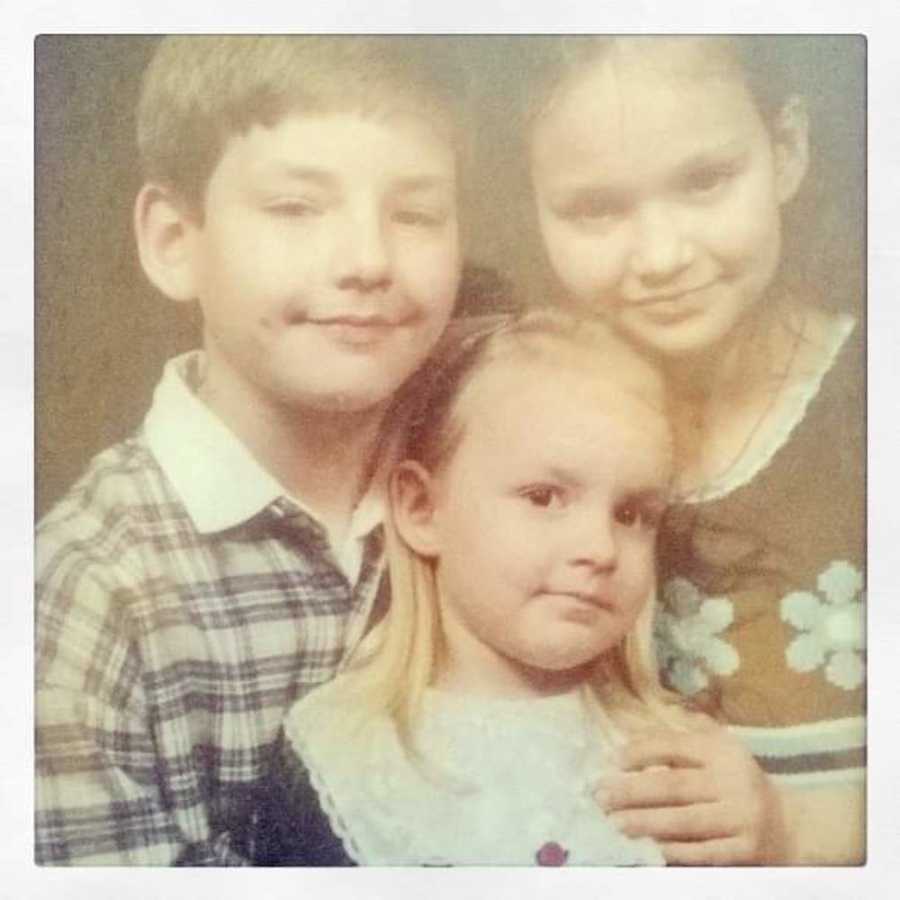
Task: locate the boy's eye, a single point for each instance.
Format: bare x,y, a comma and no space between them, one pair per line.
544,496
292,209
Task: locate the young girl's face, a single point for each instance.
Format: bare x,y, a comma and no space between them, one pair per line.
658,192
544,522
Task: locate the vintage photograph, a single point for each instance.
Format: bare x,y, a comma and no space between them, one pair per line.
450,450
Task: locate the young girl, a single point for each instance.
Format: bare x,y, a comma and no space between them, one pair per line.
661,168
478,719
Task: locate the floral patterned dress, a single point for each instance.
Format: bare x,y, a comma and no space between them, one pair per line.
762,602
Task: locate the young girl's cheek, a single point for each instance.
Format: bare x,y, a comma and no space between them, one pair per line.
639,544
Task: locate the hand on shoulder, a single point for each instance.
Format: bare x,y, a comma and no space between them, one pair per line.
700,795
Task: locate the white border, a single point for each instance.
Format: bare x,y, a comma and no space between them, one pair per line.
877,20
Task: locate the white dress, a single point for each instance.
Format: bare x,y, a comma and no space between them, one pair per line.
504,782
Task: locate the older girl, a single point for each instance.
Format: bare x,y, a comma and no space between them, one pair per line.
661,169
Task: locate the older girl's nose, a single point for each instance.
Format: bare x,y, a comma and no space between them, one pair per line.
662,249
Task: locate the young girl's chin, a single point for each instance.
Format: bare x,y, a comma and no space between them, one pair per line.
556,677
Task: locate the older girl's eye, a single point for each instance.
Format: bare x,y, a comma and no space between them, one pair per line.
422,218
543,496
707,180
593,208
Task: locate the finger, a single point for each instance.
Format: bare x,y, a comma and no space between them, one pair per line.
706,747
730,851
659,788
663,749
697,822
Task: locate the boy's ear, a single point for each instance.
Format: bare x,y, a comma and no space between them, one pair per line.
163,228
411,490
790,139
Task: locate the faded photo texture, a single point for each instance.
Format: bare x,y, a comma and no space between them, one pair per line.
160,735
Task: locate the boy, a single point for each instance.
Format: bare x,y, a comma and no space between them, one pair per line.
210,569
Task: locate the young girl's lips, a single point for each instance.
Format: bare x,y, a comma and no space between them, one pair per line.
598,601
581,609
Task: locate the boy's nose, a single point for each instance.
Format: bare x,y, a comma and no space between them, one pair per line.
363,257
661,249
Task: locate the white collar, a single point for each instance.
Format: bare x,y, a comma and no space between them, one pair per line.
789,411
510,778
217,478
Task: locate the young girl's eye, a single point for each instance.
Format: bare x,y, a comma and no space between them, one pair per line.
635,514
628,514
544,496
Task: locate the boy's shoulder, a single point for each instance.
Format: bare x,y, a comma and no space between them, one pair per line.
109,508
124,509
132,493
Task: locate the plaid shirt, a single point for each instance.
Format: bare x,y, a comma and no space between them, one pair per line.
183,603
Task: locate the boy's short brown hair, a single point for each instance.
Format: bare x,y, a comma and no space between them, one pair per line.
199,90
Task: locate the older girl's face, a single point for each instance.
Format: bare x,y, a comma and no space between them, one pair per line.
658,190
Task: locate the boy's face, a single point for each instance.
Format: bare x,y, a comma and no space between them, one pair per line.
545,518
327,261
658,194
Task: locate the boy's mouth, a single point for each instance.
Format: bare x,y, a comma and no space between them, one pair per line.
353,320
353,328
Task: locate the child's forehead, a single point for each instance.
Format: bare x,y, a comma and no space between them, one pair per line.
568,416
567,379
688,56
626,114
665,67
323,144
380,103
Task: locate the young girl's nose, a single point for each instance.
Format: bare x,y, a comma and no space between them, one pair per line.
363,256
661,247
594,544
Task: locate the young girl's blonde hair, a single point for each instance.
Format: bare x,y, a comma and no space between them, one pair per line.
397,661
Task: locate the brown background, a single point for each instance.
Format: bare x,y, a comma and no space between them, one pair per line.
102,333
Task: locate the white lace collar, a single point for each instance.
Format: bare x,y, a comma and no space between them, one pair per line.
787,415
510,777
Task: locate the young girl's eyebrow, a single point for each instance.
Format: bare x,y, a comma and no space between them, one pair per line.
650,496
551,473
